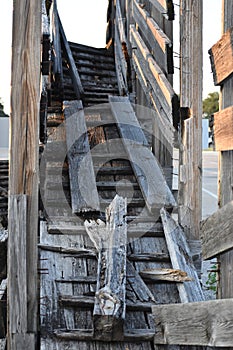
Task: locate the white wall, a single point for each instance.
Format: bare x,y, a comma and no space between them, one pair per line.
4,132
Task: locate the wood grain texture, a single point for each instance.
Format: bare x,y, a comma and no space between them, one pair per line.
160,44
146,168
208,323
222,67
166,7
17,279
24,153
225,180
164,94
217,232
191,18
84,195
223,129
181,259
110,240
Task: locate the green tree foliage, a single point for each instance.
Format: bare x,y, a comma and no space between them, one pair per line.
2,113
211,104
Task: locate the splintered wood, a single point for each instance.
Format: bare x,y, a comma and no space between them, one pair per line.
181,259
84,195
110,239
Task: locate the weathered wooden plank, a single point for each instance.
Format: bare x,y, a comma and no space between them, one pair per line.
84,193
166,7
77,84
225,181
3,344
23,341
222,67
131,335
208,323
160,44
24,152
110,240
217,232
181,259
57,56
191,23
137,284
223,129
121,68
146,168
169,275
78,252
17,279
87,302
164,95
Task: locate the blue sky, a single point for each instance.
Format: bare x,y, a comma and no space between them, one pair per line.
90,30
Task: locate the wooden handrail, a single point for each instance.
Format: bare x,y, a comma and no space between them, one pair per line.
78,88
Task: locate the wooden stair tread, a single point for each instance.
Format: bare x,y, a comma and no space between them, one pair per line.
130,335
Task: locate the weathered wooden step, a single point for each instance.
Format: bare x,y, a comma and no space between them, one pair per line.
133,231
150,257
78,252
60,202
95,72
88,302
131,335
90,49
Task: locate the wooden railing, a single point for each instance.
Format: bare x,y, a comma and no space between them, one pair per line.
143,44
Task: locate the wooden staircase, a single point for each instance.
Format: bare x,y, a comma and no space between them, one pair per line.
70,263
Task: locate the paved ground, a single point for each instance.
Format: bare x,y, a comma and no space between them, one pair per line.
209,203
209,183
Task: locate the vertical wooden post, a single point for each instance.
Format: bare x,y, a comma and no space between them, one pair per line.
226,166
191,13
24,149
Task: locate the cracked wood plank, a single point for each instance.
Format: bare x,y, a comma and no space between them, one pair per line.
181,259
110,240
84,195
208,323
146,167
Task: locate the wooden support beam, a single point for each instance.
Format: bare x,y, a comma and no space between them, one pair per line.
190,166
146,168
77,84
110,240
221,57
181,259
225,180
24,152
223,129
166,7
160,44
217,232
84,195
208,323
